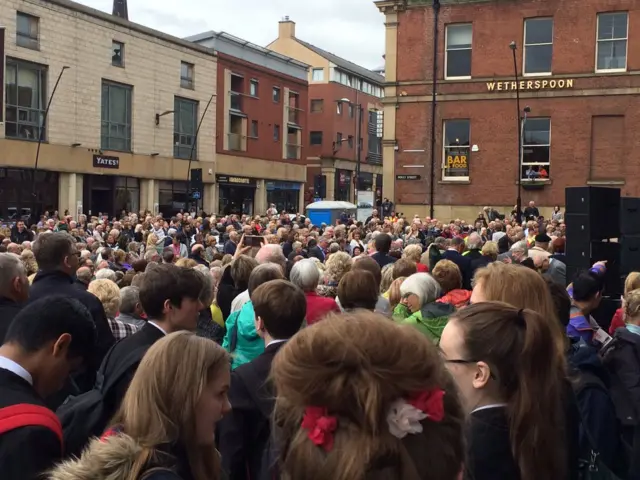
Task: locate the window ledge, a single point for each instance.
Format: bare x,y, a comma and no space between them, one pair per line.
21,139
457,79
611,70
530,75
537,184
455,182
605,182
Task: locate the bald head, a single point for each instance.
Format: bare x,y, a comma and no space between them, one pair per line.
14,248
85,275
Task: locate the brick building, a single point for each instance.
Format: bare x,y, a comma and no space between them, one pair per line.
577,66
121,124
261,127
336,88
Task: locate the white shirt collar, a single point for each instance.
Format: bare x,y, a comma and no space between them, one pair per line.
13,367
151,322
273,342
486,407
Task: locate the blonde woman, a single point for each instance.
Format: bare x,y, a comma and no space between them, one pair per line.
109,295
631,283
165,428
336,266
414,253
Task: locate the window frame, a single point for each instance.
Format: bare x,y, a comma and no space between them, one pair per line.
321,137
626,39
186,82
339,108
523,178
525,45
276,94
445,148
28,41
129,114
446,51
254,129
254,86
178,148
122,53
276,132
321,103
42,72
313,76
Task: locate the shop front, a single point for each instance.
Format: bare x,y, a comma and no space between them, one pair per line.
110,195
343,185
172,197
23,199
236,194
284,195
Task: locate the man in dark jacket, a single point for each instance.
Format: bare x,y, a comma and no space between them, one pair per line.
50,338
244,434
14,290
383,245
313,250
57,259
20,233
454,253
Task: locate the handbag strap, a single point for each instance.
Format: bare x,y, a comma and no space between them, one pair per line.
147,474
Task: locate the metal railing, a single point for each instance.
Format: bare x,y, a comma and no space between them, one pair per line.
293,152
236,101
235,141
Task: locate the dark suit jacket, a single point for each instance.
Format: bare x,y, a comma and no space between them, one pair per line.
28,451
463,263
141,340
244,433
8,310
383,259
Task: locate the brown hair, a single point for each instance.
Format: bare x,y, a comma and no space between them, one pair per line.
404,267
518,345
282,307
448,275
241,269
370,265
358,289
355,365
394,292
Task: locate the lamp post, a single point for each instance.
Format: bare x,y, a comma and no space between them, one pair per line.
358,148
434,103
513,48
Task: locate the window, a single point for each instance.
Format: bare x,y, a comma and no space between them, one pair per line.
538,46
455,164
350,141
458,58
317,106
276,133
186,75
27,31
536,147
339,108
116,117
117,54
185,114
26,85
253,87
374,154
276,94
254,129
315,138
350,110
611,50
317,74
339,139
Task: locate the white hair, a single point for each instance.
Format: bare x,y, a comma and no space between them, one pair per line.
422,285
520,246
106,274
474,241
129,298
271,253
305,275
11,266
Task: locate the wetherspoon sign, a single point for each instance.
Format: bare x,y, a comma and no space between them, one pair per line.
546,84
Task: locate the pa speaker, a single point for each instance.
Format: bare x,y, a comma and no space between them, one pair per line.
630,216
600,205
196,176
630,254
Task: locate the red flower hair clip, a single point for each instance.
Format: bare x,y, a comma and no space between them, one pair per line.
430,402
320,426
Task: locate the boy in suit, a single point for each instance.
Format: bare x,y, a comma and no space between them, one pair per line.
280,308
48,339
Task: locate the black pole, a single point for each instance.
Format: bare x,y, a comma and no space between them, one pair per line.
193,146
513,47
42,128
358,155
436,14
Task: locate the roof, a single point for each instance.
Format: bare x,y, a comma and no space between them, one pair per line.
131,25
199,37
345,64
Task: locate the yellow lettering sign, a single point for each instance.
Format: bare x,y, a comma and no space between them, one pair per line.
457,161
238,180
551,84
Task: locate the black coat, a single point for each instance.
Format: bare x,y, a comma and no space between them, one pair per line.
244,433
28,451
8,310
623,362
463,263
47,283
383,259
227,291
24,236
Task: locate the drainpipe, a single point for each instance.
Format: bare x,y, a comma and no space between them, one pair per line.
436,15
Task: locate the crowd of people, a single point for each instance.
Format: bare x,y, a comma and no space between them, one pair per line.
203,347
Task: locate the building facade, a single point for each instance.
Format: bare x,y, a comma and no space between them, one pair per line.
121,129
337,88
261,126
577,66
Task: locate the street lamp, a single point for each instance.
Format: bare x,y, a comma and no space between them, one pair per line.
513,48
358,147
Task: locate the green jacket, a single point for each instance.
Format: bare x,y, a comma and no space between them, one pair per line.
248,344
430,320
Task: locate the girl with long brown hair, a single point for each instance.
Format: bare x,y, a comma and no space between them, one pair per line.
353,405
165,427
513,386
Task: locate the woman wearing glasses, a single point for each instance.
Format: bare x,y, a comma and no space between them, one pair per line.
513,387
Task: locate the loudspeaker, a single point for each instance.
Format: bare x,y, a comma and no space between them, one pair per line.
584,254
320,186
605,311
629,216
196,176
602,207
630,254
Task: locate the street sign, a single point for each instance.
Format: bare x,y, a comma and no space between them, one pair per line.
196,195
407,177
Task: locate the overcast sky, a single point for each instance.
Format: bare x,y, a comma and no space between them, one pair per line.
352,29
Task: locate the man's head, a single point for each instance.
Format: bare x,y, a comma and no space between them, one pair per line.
542,241
519,251
280,308
50,338
14,248
20,226
272,254
383,243
170,294
84,274
130,301
457,243
56,251
197,250
532,204
474,241
13,278
587,290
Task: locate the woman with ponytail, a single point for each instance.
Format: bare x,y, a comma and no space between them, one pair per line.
352,404
513,386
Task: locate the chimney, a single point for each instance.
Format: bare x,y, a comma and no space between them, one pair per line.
287,28
120,9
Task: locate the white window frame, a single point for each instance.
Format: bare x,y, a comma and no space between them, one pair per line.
626,39
446,50
254,85
523,178
524,49
313,74
446,178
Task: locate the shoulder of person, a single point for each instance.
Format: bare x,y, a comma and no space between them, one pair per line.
160,474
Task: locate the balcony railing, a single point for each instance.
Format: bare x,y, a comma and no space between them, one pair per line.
374,158
294,115
236,101
293,152
235,141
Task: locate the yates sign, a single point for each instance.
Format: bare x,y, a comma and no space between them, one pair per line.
104,161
